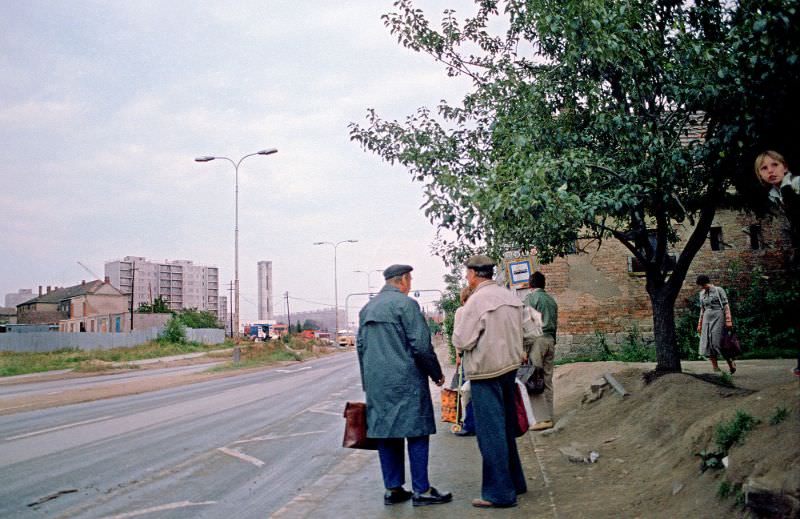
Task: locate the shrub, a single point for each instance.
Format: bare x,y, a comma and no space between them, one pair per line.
781,413
728,434
174,331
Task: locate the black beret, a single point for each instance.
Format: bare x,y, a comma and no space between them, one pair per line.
396,270
479,261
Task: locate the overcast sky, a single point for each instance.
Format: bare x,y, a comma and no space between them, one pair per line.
104,106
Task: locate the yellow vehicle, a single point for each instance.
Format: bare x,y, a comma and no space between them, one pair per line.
346,340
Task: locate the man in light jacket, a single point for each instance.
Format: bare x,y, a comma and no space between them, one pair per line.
396,359
490,333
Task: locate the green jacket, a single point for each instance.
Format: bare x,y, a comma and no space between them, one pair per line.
396,358
546,305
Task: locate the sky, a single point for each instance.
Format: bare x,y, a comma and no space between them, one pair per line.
105,105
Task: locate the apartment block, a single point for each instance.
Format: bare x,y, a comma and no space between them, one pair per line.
180,283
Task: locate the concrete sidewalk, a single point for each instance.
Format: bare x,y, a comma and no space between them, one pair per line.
354,488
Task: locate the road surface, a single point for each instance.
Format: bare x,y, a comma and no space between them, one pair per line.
236,447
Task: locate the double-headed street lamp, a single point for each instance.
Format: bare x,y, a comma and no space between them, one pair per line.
269,151
369,274
335,280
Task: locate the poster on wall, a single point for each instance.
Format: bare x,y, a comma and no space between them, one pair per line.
518,270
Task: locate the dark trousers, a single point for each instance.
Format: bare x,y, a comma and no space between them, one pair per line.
495,427
469,418
391,452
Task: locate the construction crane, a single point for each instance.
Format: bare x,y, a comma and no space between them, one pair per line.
87,269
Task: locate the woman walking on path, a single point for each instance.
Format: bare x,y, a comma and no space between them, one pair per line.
715,313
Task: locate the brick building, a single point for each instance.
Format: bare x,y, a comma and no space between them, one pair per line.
601,291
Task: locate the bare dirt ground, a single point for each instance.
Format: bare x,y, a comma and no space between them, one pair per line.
647,441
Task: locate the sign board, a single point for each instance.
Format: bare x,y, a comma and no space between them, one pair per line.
518,270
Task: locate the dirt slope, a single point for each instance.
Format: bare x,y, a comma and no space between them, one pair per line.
648,442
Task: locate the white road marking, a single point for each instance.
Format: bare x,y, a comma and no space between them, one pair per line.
322,411
244,457
169,506
14,407
55,393
67,426
276,437
292,370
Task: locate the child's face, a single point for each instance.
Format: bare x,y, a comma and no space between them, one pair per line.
771,171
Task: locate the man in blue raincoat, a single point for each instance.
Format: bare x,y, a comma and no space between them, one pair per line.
396,358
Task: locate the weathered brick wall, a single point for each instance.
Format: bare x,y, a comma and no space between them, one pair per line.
596,293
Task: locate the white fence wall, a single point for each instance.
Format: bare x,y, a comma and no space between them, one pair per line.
51,341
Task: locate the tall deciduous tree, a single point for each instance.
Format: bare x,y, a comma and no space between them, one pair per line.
579,125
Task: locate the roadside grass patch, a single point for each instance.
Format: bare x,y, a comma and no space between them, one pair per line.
14,363
265,353
780,414
728,434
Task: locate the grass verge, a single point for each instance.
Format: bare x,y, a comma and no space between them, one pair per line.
13,363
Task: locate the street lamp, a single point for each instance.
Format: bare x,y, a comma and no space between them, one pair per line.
369,276
335,280
269,151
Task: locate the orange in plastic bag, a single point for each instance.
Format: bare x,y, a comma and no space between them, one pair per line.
449,405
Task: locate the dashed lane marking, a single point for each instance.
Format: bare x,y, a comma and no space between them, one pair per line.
52,429
292,370
244,457
168,506
276,437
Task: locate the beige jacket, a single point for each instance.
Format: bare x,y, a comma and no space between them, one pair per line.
491,329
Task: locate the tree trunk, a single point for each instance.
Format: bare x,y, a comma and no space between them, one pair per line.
667,354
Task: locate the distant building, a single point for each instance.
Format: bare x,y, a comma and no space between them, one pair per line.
264,290
8,315
224,316
22,295
326,319
181,283
79,301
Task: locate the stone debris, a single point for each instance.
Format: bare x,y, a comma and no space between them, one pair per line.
767,499
676,487
560,424
578,453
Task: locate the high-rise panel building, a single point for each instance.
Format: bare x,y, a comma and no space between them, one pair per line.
180,283
264,290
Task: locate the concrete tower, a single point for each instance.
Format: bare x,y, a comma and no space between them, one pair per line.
264,290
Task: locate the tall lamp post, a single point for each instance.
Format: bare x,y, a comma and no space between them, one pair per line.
335,279
236,164
369,276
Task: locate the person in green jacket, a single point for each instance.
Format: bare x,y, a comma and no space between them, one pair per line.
542,353
396,359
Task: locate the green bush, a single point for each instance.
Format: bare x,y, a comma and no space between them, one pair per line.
762,317
174,331
192,318
780,414
728,434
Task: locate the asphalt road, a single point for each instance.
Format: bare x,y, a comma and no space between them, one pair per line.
237,447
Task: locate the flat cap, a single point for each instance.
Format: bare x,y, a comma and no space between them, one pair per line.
396,270
479,261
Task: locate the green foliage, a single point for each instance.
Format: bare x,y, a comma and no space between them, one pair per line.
192,318
174,331
310,324
577,125
159,306
448,304
762,316
710,460
433,326
634,348
780,414
725,378
728,434
724,489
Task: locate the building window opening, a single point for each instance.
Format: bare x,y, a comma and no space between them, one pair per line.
715,238
755,237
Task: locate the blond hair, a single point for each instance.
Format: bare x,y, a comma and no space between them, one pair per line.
773,155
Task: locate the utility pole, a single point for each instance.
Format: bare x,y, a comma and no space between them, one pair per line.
230,300
288,315
133,288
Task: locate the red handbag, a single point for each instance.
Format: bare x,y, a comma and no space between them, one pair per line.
519,406
355,427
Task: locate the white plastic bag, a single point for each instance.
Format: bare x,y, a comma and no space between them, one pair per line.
527,402
466,393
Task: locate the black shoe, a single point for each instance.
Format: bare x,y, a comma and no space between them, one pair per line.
396,495
431,497
462,432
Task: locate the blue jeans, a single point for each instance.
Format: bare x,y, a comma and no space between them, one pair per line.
495,428
391,452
